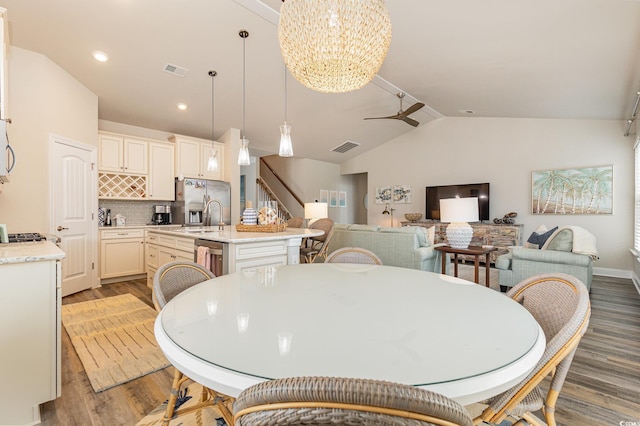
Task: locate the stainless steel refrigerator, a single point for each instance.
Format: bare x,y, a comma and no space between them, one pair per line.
193,196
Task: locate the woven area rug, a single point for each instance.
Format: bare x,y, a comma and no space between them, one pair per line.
114,339
209,416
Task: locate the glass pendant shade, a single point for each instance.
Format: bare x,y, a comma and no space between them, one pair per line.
212,165
334,46
243,155
286,147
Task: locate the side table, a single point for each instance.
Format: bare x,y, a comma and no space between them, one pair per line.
476,252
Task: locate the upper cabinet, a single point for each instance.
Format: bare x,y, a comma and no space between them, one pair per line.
161,181
192,158
122,154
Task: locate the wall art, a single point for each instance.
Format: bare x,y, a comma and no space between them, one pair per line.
324,196
383,194
587,190
342,199
333,198
402,194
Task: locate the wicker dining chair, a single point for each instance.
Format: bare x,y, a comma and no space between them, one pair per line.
316,247
170,280
295,222
353,255
560,304
344,401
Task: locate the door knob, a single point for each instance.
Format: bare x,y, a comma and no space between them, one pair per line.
61,228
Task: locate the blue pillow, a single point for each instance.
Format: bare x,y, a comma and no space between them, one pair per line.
540,239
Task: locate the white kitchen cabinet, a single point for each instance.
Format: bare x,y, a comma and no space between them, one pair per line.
254,255
162,249
121,253
122,154
161,172
30,333
192,158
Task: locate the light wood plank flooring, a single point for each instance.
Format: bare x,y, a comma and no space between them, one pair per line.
602,387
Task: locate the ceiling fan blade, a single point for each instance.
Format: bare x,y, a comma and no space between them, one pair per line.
383,118
413,108
411,121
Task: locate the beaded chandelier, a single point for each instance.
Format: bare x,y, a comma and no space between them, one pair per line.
334,46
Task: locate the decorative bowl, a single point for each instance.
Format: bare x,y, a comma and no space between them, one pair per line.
413,217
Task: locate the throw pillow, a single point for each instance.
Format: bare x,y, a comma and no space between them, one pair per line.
540,239
563,241
432,234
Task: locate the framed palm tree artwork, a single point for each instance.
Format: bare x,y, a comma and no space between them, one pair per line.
587,190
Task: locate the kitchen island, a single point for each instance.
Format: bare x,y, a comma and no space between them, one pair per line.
242,250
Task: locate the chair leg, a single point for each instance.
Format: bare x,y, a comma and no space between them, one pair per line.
178,380
208,397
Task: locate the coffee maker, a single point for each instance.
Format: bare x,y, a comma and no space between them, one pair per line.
161,215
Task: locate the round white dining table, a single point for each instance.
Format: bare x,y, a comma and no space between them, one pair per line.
407,326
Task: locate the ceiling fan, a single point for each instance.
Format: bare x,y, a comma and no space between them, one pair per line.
403,115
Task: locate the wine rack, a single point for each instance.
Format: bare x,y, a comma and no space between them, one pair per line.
122,186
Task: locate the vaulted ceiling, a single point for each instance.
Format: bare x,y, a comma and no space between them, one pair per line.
497,58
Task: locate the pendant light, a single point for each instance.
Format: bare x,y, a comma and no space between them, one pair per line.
286,147
212,164
243,155
334,46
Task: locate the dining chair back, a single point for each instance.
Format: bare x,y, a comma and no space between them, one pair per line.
175,277
560,304
344,401
316,247
353,255
295,222
170,280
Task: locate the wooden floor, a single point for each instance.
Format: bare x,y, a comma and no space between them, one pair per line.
602,387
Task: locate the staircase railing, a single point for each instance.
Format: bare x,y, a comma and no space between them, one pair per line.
276,189
267,196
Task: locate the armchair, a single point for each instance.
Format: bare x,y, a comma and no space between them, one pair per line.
569,250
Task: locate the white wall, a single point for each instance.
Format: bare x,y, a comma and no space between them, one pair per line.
504,152
43,100
307,177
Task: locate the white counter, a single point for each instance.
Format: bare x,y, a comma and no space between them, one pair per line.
230,235
36,251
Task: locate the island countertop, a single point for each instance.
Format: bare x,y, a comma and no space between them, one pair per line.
230,235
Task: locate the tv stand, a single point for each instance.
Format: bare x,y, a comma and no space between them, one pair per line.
499,235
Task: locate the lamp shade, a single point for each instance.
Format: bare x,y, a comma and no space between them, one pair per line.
315,210
459,209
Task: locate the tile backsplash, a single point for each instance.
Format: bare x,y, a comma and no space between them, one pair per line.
135,212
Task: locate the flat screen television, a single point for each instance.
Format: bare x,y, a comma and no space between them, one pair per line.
435,193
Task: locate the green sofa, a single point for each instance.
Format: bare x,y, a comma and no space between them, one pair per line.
570,250
406,247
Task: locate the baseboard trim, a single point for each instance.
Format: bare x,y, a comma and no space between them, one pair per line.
121,279
613,273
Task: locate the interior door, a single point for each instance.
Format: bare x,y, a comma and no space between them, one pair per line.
74,200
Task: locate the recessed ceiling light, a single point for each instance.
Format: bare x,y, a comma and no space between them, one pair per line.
182,106
100,56
466,111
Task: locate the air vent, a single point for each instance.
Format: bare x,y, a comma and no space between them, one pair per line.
175,70
347,146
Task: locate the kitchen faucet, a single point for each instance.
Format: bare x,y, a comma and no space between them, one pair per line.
207,213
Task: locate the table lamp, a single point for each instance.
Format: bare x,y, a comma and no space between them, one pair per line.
459,211
315,211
